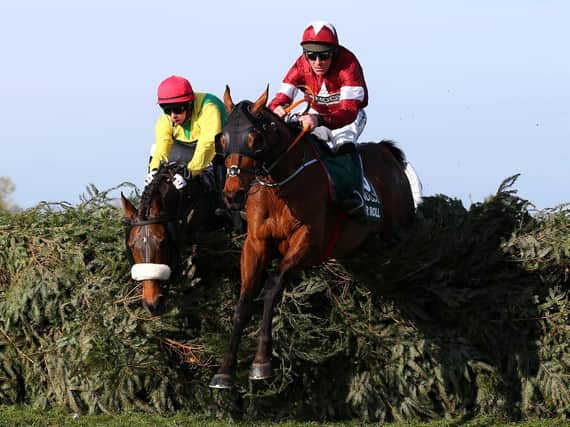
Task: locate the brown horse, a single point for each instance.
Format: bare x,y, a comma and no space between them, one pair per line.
290,213
165,221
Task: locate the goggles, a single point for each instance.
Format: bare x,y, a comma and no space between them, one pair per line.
323,56
174,108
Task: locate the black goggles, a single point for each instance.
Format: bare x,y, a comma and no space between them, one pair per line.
174,108
323,56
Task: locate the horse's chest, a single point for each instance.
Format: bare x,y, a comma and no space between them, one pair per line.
277,228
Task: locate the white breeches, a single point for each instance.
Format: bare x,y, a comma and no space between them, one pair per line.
348,133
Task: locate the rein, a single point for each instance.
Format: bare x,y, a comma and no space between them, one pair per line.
262,173
278,159
234,170
289,178
305,128
297,139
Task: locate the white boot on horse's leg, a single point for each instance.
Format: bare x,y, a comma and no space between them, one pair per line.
415,183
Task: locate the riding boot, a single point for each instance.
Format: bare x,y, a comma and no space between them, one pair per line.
353,204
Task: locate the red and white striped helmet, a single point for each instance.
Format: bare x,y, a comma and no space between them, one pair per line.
320,32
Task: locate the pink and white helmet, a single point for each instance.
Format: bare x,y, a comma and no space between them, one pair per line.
320,33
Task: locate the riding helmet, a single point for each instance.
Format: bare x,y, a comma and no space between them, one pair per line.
175,89
319,36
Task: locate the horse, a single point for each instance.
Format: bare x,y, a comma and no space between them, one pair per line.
278,174
165,221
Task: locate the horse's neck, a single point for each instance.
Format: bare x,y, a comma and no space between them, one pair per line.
289,162
307,189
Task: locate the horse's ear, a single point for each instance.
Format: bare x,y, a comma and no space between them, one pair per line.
228,100
128,208
260,103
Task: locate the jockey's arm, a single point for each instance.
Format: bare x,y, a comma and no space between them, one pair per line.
162,141
280,111
210,123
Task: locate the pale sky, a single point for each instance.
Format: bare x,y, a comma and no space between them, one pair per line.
472,91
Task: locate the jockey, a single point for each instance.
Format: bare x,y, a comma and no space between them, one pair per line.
186,130
333,83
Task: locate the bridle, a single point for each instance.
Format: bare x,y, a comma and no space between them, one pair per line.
169,226
172,227
260,170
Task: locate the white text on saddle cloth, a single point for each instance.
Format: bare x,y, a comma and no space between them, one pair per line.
372,205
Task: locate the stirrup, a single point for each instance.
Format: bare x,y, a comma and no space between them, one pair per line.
354,205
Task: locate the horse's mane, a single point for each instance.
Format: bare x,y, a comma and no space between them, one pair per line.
148,195
267,114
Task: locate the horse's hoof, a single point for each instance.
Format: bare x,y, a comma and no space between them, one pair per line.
221,381
260,371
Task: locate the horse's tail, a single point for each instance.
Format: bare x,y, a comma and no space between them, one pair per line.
396,151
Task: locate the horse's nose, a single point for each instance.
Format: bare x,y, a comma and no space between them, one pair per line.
151,296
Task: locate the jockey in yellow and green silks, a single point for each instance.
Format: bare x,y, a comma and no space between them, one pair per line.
194,118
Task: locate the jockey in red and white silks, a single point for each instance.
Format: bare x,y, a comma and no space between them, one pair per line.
333,83
338,95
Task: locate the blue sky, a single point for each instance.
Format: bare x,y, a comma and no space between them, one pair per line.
472,91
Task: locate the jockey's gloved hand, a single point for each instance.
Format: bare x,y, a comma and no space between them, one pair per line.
293,119
149,177
179,182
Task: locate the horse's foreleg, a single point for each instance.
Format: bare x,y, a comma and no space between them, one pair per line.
224,376
273,288
253,263
261,366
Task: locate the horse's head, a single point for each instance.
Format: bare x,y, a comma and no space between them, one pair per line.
152,231
250,141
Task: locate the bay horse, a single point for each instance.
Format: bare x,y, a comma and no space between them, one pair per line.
165,221
290,213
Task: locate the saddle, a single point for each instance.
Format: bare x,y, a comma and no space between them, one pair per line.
182,152
344,176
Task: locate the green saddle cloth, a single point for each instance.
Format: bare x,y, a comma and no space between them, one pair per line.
344,178
343,173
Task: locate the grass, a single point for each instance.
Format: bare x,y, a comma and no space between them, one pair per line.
13,416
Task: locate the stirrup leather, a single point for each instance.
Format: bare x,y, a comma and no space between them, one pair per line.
352,198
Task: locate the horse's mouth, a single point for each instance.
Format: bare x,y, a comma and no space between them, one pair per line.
151,296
